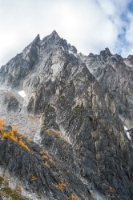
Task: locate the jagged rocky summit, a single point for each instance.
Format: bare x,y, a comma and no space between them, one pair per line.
76,116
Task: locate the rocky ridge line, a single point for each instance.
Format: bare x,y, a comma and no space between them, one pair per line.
81,108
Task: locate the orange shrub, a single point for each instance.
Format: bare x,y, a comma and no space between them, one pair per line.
11,136
111,189
42,151
34,178
57,132
15,128
1,123
72,197
22,144
46,164
51,160
50,131
44,157
29,140
61,186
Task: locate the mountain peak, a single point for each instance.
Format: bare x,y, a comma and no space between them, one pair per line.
79,111
53,37
106,51
54,33
37,39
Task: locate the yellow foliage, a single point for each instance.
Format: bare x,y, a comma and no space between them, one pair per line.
42,151
34,178
50,131
11,136
72,197
111,189
1,123
15,128
29,140
22,144
57,132
44,157
46,164
51,160
61,186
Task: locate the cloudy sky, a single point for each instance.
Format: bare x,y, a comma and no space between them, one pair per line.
90,25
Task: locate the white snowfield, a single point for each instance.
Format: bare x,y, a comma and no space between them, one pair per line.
127,133
22,93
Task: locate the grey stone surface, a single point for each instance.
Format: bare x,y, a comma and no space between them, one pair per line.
82,108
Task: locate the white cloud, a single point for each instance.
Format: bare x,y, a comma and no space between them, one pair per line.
90,25
129,33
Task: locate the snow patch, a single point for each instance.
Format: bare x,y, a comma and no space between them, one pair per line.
71,52
125,128
127,133
37,138
22,93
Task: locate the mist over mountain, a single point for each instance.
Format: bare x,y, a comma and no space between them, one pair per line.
74,115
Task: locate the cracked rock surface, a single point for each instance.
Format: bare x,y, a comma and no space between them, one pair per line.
78,112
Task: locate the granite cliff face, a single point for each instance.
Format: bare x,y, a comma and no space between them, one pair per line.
76,114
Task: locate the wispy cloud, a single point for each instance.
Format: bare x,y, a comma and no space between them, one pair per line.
90,25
